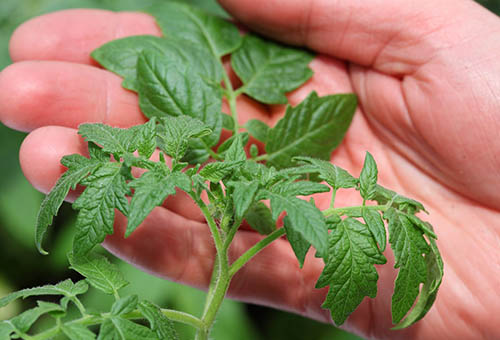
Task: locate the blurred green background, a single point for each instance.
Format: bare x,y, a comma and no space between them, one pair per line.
21,266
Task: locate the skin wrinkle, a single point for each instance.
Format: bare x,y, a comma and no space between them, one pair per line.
107,101
305,23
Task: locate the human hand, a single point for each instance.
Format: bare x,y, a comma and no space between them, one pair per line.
174,243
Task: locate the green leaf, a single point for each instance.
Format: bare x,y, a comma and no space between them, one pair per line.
299,188
409,246
313,128
269,70
194,26
257,129
426,227
227,122
77,332
65,288
176,132
331,174
368,178
430,288
6,329
165,89
120,56
162,325
151,190
402,203
376,226
228,142
146,137
78,168
215,172
243,196
99,272
259,217
236,152
299,244
120,141
26,319
106,191
349,270
123,329
125,305
305,218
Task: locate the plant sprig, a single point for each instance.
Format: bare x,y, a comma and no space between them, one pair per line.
181,83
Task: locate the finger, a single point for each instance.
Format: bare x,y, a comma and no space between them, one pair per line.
392,36
71,35
34,94
43,149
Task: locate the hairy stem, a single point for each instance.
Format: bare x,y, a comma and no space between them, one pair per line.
250,253
211,224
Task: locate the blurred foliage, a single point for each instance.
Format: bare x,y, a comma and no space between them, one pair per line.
21,266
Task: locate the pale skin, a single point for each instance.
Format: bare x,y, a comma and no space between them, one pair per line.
428,80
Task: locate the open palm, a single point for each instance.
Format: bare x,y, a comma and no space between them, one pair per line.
426,84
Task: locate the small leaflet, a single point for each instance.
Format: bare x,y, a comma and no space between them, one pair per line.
402,203
259,217
334,175
162,325
257,129
79,167
376,226
65,288
409,246
349,268
368,178
26,319
151,190
99,272
305,218
77,332
215,172
243,196
119,328
175,133
429,290
313,128
269,70
106,190
125,305
117,141
299,244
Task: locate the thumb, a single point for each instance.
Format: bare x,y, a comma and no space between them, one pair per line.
392,36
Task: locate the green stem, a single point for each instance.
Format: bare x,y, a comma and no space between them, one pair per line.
231,98
211,225
250,253
89,320
214,154
230,235
332,202
215,299
262,157
79,305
